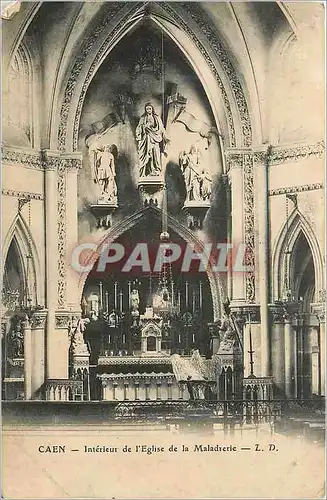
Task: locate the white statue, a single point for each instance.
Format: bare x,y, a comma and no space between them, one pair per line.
227,334
198,180
78,345
151,140
104,172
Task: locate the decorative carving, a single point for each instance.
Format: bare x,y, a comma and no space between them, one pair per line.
78,345
30,160
203,22
17,340
22,194
160,359
111,12
283,155
61,229
277,314
296,189
62,321
147,58
38,320
251,313
249,258
92,39
234,159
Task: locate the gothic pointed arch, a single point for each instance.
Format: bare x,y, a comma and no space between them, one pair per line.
30,264
200,46
284,254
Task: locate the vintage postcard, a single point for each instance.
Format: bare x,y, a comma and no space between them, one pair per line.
163,250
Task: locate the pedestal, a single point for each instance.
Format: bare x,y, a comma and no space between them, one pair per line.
196,212
151,190
103,213
28,361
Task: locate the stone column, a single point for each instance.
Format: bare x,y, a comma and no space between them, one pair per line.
136,388
251,317
51,243
73,162
236,176
278,348
260,162
158,392
38,322
114,389
60,346
322,338
294,360
147,390
126,385
289,362
300,351
28,359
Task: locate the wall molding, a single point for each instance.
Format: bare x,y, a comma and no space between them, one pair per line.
22,194
296,189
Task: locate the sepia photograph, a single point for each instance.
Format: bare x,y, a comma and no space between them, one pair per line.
163,249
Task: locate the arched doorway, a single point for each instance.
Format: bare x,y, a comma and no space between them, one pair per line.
302,283
13,298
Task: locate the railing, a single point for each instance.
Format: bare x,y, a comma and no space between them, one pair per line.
63,390
224,411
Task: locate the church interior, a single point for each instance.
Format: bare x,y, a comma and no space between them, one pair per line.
152,127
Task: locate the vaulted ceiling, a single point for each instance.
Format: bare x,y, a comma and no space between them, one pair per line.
251,39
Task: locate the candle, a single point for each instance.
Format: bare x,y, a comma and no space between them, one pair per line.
121,301
179,300
200,286
193,301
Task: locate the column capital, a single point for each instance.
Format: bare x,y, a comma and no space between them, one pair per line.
319,309
246,312
63,320
38,320
53,159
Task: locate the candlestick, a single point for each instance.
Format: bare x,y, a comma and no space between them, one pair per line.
186,294
107,301
116,295
129,294
100,295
